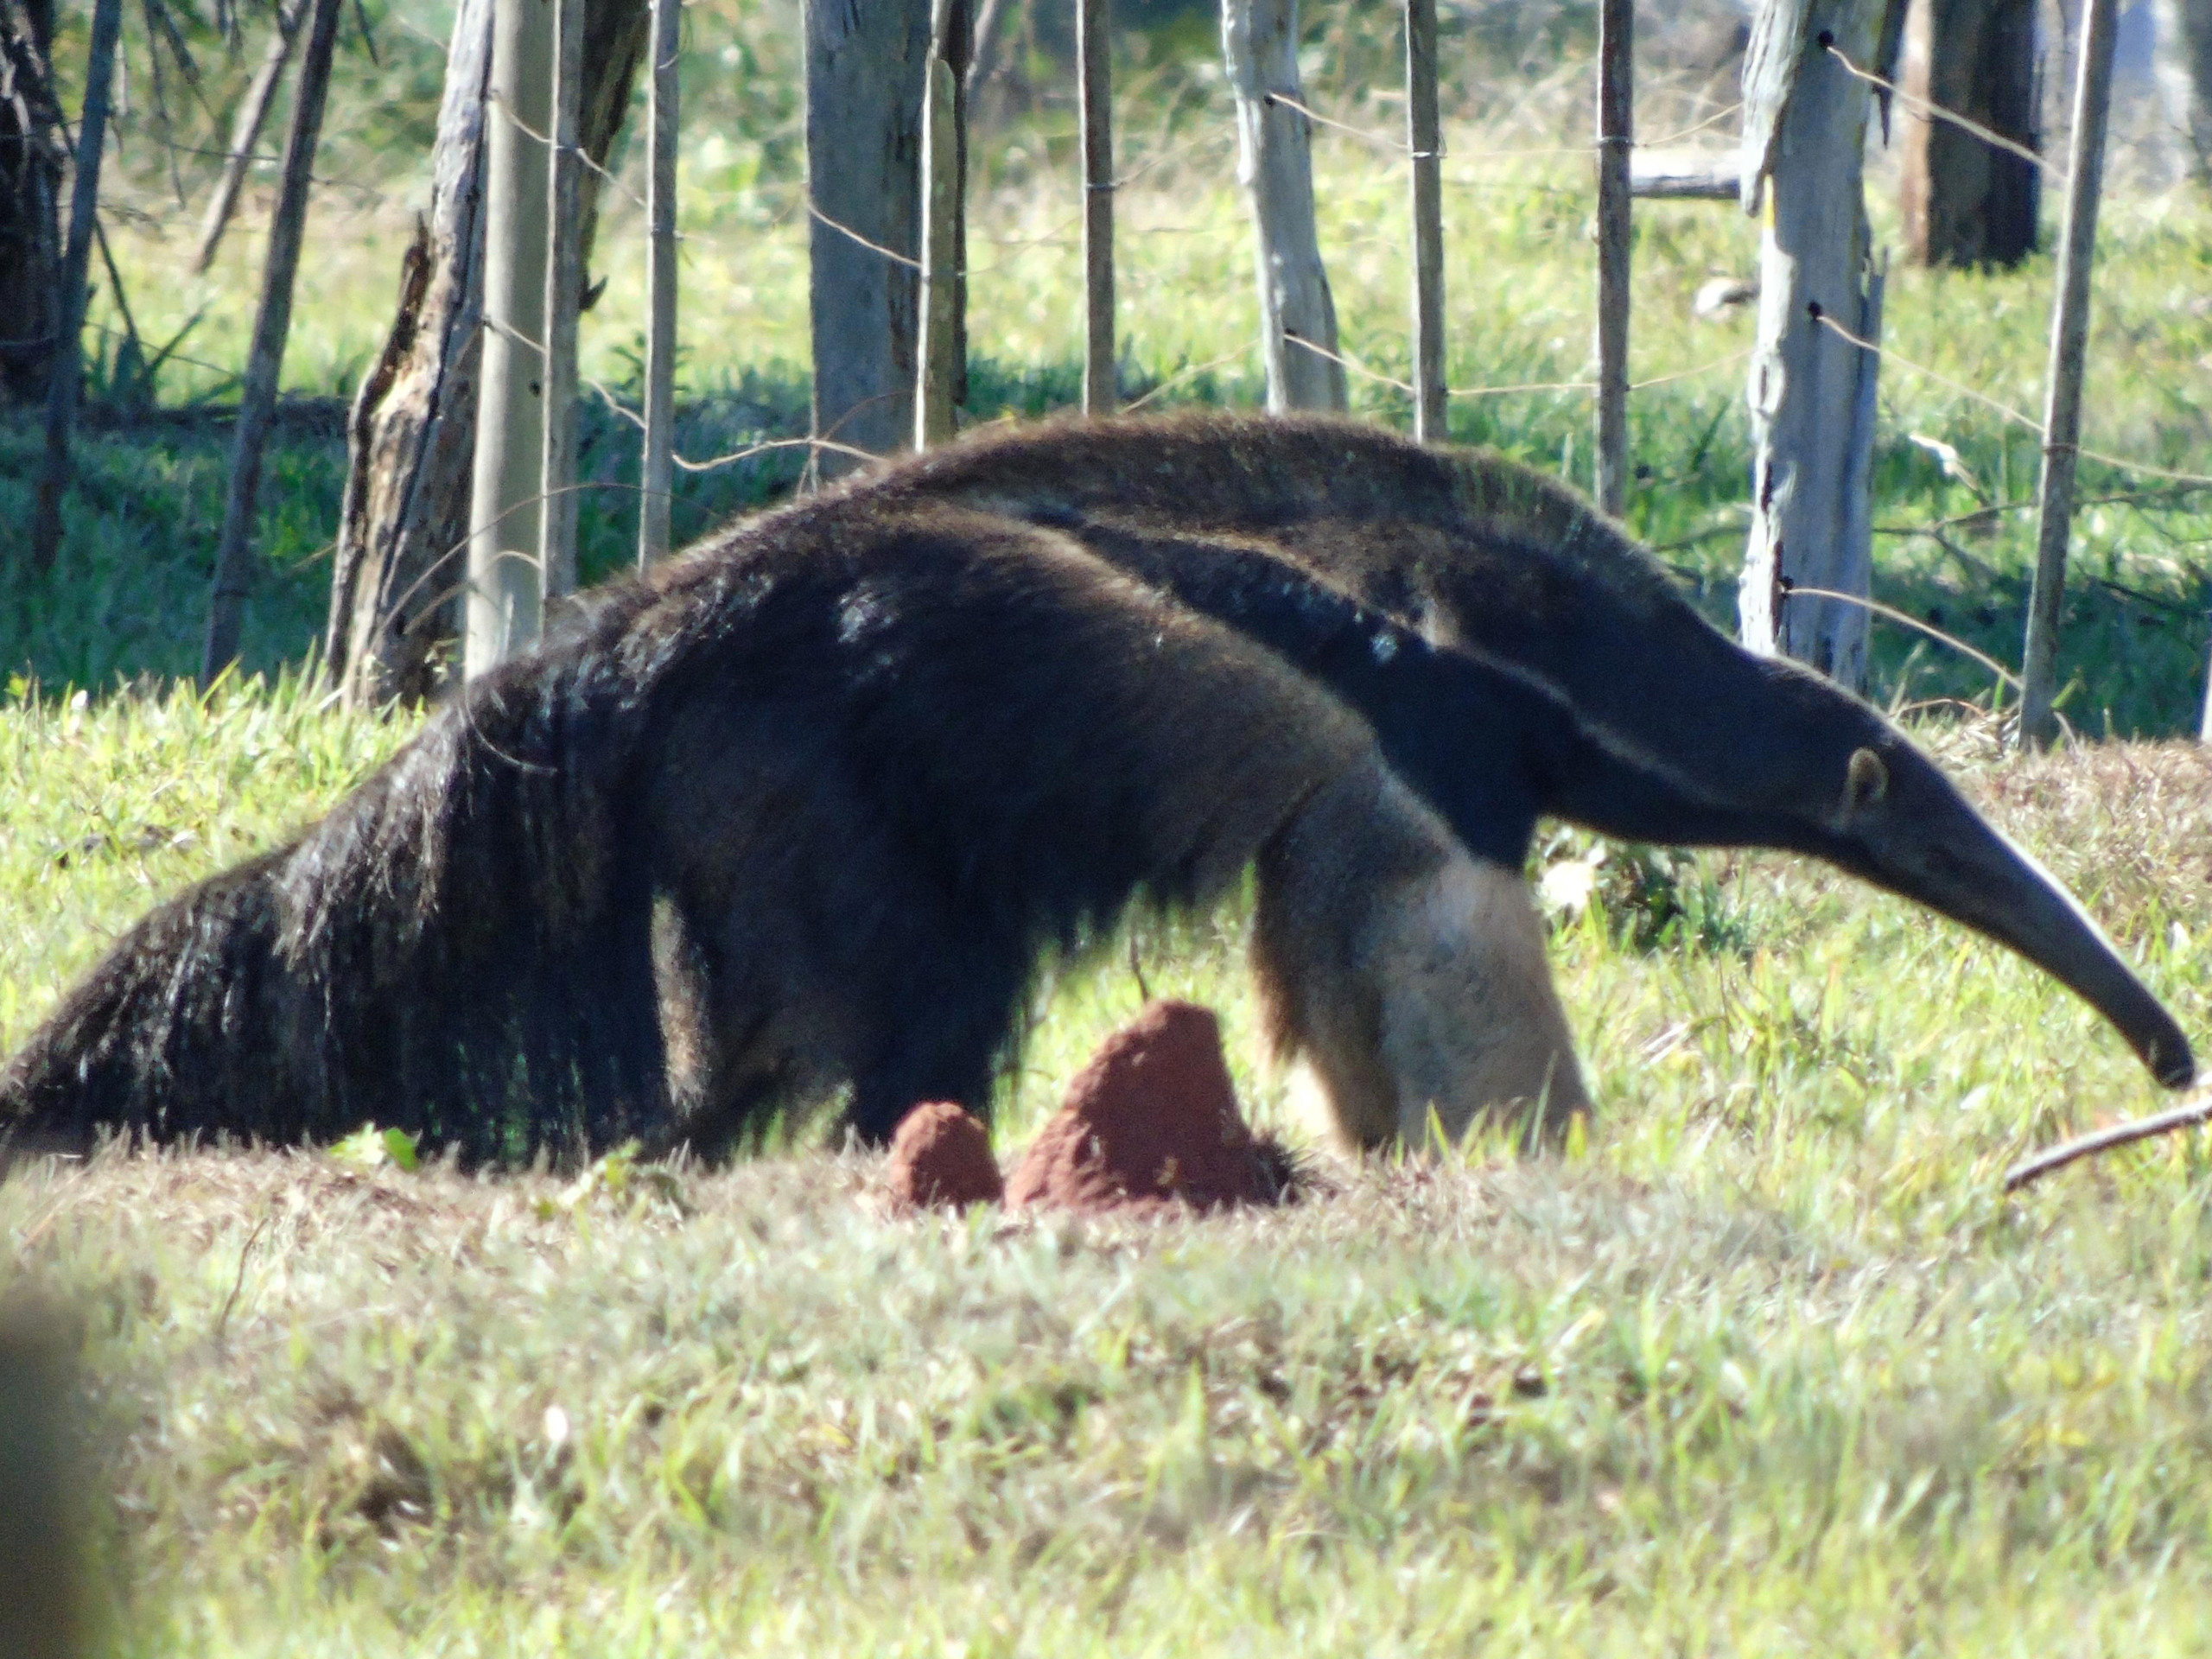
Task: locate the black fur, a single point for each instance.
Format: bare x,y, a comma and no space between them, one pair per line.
1519,656
866,767
800,813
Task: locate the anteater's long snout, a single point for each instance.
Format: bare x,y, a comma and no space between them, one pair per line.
1922,840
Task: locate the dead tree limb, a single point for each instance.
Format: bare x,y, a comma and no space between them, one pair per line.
2189,1116
245,131
272,325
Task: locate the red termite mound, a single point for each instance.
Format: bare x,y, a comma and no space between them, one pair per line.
941,1160
1151,1119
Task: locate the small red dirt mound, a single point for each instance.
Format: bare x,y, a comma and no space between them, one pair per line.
1151,1119
941,1160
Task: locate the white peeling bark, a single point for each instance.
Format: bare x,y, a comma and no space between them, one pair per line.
1274,164
1811,389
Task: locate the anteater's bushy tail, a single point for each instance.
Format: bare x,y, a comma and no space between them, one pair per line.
457,949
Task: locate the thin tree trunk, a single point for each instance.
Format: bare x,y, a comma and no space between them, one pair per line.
1274,164
32,156
983,62
2069,334
1425,147
1094,51
657,474
272,325
507,592
245,131
864,70
67,363
564,298
1616,140
936,386
1805,119
403,529
1967,202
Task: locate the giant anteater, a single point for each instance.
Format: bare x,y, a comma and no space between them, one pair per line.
1519,656
864,761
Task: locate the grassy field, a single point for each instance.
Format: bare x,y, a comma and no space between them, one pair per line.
1768,1365
1765,1365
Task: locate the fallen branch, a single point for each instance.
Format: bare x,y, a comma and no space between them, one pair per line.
2119,1134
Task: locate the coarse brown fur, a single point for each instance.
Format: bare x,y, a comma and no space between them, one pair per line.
797,815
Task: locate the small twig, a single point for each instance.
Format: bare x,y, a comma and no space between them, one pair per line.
245,1251
2189,1116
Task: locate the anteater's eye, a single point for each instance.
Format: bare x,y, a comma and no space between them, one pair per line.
1865,781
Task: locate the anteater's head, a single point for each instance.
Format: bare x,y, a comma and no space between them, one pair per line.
1884,811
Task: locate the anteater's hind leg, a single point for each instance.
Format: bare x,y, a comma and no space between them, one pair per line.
1409,977
919,1015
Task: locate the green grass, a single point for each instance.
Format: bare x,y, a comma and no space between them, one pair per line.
1766,1365
1520,291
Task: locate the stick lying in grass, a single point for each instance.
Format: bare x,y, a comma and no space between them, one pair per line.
2188,1116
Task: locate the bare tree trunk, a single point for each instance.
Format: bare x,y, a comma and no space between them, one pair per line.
31,159
67,363
2070,335
657,472
1616,139
1094,51
506,594
1805,120
1274,164
1965,201
2185,78
864,77
245,131
936,386
560,307
411,437
411,434
272,327
984,61
1425,145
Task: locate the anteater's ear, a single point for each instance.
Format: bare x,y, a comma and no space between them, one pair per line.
1864,782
